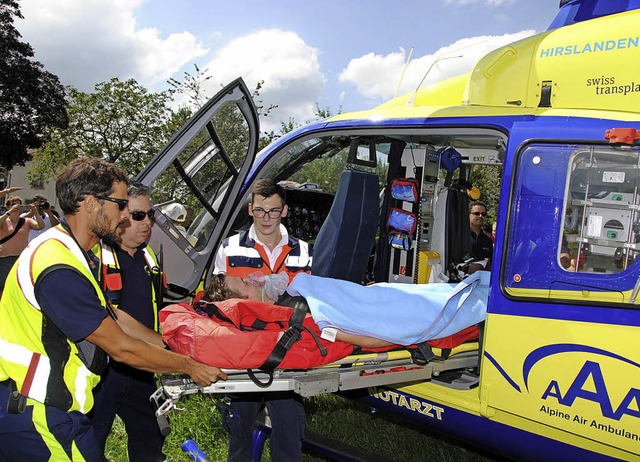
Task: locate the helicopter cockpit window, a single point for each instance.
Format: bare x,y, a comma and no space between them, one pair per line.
310,171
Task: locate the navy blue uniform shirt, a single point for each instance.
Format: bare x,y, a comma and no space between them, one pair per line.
136,297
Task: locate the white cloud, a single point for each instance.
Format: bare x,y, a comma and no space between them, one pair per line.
287,65
87,42
377,76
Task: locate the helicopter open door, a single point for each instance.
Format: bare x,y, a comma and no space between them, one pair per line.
195,182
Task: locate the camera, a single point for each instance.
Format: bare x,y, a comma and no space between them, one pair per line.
44,205
24,208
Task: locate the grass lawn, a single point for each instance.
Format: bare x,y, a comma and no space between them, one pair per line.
383,435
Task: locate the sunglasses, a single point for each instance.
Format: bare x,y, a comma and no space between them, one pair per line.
122,203
479,214
139,215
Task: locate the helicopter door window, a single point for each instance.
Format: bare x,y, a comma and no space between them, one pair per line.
602,224
574,224
198,180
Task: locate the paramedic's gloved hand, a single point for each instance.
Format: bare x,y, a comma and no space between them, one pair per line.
275,285
203,374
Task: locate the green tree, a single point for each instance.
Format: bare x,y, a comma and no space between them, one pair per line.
121,121
31,98
192,88
488,178
290,125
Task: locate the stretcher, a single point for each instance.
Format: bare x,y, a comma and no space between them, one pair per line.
350,373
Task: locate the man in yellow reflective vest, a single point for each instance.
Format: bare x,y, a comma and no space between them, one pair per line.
133,282
58,331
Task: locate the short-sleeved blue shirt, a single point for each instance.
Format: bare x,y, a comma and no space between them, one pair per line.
70,301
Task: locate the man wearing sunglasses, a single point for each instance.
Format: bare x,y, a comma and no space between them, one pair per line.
481,242
266,247
58,331
133,282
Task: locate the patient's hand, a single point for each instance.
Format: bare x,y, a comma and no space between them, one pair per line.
361,340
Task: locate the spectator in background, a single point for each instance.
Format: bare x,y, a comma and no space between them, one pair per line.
566,260
190,216
4,192
15,225
177,213
48,217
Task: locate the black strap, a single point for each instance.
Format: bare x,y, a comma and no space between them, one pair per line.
300,309
15,231
257,381
211,310
288,338
292,335
258,324
424,354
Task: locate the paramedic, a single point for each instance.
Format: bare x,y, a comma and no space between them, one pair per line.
481,241
265,247
132,281
57,330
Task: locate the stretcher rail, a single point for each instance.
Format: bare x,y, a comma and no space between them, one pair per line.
351,373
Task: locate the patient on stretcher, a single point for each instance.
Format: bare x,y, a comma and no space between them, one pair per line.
400,314
270,290
246,332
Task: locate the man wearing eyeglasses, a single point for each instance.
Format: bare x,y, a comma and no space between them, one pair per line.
58,331
481,242
133,282
266,247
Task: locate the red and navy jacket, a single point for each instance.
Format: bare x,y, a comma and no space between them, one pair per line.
245,256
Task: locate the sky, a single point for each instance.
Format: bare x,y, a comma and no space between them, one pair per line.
341,55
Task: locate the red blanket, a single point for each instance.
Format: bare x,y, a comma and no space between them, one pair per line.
235,344
230,338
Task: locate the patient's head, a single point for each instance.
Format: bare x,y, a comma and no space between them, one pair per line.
223,287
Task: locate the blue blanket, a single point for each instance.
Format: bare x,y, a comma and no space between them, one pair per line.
403,314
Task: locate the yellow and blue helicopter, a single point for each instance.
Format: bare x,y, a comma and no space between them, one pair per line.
557,116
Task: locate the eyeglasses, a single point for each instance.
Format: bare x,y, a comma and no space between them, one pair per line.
139,215
479,214
260,213
122,203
